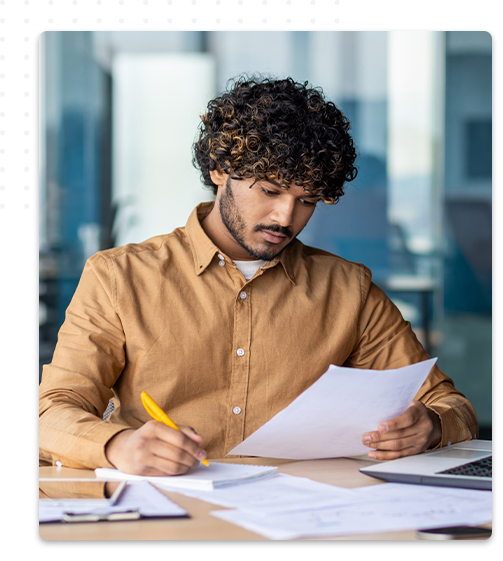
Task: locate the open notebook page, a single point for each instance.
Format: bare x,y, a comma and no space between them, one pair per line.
217,474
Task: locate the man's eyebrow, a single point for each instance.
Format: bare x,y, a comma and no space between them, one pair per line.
271,181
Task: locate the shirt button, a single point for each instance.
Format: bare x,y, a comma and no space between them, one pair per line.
221,263
220,256
242,295
240,352
236,410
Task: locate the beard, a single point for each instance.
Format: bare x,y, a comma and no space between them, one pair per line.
236,226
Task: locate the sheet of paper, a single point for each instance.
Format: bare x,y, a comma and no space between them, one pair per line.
379,508
139,496
201,477
329,418
281,493
149,501
52,510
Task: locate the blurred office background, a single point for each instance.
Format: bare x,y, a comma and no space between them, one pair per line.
119,112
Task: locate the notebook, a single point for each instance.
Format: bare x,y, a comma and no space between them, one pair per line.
466,464
217,474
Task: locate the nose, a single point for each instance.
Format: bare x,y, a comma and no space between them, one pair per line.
283,212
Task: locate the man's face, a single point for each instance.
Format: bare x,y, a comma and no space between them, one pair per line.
260,218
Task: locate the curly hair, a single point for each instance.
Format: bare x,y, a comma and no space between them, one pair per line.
278,130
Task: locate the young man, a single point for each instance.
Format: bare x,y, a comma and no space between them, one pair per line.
226,321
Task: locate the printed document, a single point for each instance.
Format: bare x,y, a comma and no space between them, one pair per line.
281,493
329,418
377,508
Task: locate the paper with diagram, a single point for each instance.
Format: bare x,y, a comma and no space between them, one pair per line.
329,418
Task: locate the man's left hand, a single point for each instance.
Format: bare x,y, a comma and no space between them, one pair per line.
412,432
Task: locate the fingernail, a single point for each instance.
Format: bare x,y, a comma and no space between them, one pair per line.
383,428
366,438
201,455
372,455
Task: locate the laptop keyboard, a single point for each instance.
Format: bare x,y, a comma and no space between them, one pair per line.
479,468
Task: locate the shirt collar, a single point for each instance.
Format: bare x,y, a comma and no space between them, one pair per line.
204,250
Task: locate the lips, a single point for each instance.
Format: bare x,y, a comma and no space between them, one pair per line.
272,238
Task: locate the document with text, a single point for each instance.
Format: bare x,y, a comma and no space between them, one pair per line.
389,507
329,418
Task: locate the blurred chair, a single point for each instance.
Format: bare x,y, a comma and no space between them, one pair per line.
402,260
471,223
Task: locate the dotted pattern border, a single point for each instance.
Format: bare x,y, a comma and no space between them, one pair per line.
22,22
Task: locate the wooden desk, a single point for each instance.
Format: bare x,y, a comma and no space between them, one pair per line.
342,472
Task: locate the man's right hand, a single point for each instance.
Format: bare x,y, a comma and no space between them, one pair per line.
155,449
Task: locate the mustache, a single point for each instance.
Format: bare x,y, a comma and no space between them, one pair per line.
275,228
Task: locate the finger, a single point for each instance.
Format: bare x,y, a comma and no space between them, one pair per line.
159,466
392,455
410,416
413,441
179,439
376,437
192,434
410,422
173,454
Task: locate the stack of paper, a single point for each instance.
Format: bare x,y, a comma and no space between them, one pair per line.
380,508
298,509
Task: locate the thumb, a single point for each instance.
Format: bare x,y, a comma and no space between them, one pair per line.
191,433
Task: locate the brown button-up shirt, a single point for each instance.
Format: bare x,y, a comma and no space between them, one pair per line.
217,353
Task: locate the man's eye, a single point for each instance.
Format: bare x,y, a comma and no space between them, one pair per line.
308,203
269,193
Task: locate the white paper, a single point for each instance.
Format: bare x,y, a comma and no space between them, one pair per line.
281,493
150,502
53,510
329,418
139,496
201,477
378,508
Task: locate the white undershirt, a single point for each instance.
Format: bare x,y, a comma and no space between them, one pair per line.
249,268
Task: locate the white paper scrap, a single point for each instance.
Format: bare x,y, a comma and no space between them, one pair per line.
329,418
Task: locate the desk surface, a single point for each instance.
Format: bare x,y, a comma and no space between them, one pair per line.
342,472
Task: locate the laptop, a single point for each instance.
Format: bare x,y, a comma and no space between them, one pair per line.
466,464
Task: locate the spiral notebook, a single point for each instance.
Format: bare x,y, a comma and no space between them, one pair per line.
217,474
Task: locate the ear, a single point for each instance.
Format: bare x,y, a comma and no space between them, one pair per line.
218,177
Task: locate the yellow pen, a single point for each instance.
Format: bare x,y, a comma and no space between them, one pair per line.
159,415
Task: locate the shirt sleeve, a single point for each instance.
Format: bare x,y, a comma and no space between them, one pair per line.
76,386
387,341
